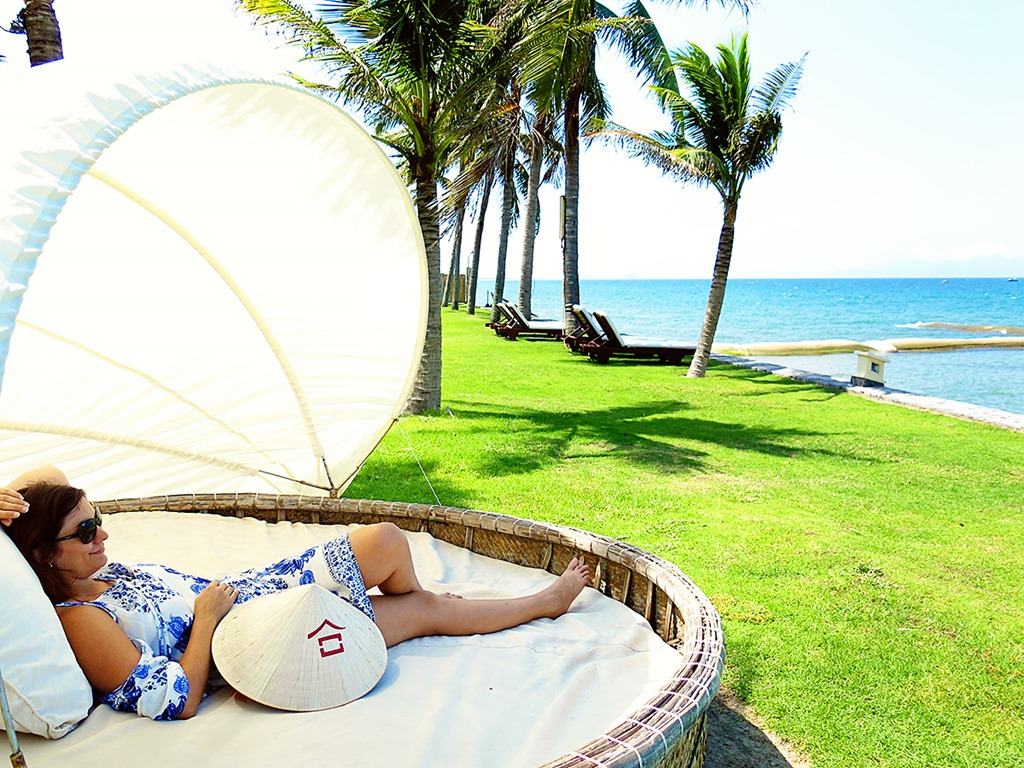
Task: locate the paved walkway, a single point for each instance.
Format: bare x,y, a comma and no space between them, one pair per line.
994,416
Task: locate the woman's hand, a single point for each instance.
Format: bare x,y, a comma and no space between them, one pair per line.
214,602
11,505
212,605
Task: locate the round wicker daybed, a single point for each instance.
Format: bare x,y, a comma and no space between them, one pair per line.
670,729
232,338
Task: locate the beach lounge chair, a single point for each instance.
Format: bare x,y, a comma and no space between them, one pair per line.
504,317
519,325
587,334
621,345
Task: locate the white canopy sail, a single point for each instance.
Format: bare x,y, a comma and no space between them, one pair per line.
209,281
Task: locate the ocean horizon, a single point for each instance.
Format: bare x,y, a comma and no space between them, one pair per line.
802,309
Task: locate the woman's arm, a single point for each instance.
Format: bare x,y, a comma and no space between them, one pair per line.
45,474
104,652
11,503
128,672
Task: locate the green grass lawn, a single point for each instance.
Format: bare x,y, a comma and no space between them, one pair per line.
867,559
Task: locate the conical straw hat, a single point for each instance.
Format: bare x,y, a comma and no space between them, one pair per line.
300,649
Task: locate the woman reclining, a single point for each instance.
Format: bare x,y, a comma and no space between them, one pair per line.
142,634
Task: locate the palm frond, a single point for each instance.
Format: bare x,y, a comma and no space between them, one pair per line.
554,170
733,68
722,131
295,22
757,143
641,44
709,99
688,164
778,87
594,102
362,88
689,125
400,142
483,168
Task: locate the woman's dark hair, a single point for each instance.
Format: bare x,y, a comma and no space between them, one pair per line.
35,532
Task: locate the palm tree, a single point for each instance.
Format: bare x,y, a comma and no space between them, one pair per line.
481,215
541,144
723,132
453,285
572,85
509,210
546,43
499,153
422,75
496,148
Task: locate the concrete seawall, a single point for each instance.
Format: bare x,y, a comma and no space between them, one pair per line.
960,410
887,346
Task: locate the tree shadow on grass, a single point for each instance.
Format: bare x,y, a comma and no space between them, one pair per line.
771,377
619,362
401,479
815,393
655,435
725,370
769,384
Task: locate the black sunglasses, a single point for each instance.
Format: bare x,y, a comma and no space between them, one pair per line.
86,530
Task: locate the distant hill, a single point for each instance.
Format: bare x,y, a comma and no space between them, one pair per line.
983,266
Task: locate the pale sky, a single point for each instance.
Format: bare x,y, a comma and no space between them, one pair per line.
902,154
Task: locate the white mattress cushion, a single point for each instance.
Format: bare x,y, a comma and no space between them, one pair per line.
520,697
47,691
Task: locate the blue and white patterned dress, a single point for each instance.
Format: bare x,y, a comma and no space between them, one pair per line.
153,605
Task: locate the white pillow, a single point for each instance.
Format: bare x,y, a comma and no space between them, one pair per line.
46,689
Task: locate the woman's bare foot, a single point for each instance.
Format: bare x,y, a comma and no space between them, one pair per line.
451,595
569,585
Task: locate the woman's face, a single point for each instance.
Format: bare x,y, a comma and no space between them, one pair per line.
75,558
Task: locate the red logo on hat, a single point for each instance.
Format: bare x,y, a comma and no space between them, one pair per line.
324,642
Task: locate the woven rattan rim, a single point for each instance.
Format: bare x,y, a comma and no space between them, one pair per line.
669,728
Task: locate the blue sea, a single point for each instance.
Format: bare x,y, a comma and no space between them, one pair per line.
857,309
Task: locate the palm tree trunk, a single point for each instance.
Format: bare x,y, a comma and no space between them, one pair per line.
477,242
454,279
426,392
446,291
717,295
508,199
570,244
42,31
530,230
452,289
